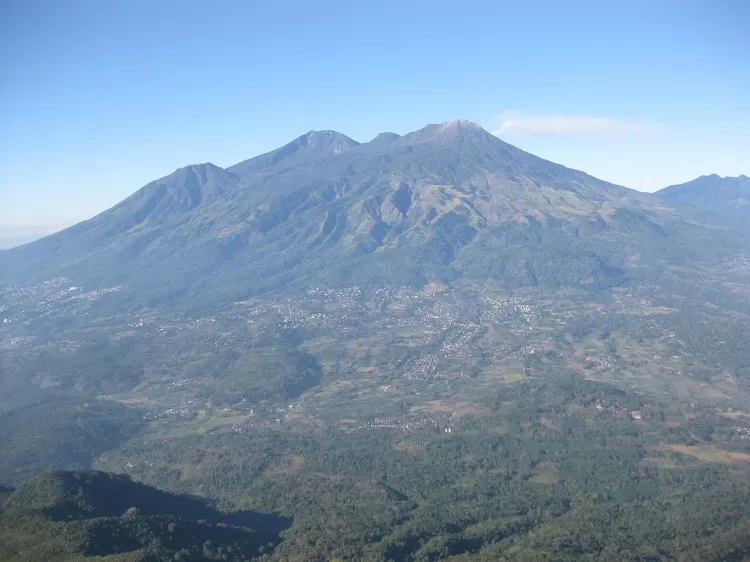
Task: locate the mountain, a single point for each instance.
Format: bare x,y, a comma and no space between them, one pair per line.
65,515
453,350
308,148
729,196
382,140
446,202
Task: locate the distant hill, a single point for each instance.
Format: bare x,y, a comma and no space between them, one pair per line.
64,515
727,195
62,433
446,202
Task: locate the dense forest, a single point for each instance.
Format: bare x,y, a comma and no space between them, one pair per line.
581,484
69,515
389,425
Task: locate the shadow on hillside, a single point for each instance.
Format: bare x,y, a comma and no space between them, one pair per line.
110,513
268,525
89,494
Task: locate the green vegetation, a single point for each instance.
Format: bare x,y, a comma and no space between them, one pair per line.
400,425
64,434
268,373
560,479
98,369
70,515
430,347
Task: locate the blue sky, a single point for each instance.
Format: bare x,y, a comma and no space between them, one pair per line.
98,98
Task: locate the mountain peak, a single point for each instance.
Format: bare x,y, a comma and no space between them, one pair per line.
301,210
455,130
721,178
386,137
713,193
324,133
311,145
710,181
181,191
458,124
327,140
201,166
197,175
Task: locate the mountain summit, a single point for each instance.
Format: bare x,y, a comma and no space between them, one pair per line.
729,195
309,147
460,129
446,202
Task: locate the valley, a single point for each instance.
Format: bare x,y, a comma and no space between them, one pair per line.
374,282
428,347
311,391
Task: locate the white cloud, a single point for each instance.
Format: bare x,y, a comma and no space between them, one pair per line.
520,123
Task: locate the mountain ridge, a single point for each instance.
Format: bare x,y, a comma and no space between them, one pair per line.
438,204
311,145
725,195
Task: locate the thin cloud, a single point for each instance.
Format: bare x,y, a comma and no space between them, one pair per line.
519,123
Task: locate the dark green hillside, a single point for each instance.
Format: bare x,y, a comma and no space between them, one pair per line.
269,373
532,471
62,434
73,515
97,369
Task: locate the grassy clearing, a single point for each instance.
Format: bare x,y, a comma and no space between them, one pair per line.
652,311
549,424
436,406
660,462
735,415
544,477
708,453
406,446
200,424
506,372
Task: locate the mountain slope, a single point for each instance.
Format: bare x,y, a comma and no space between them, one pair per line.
62,434
65,515
152,232
131,226
309,147
730,196
448,201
